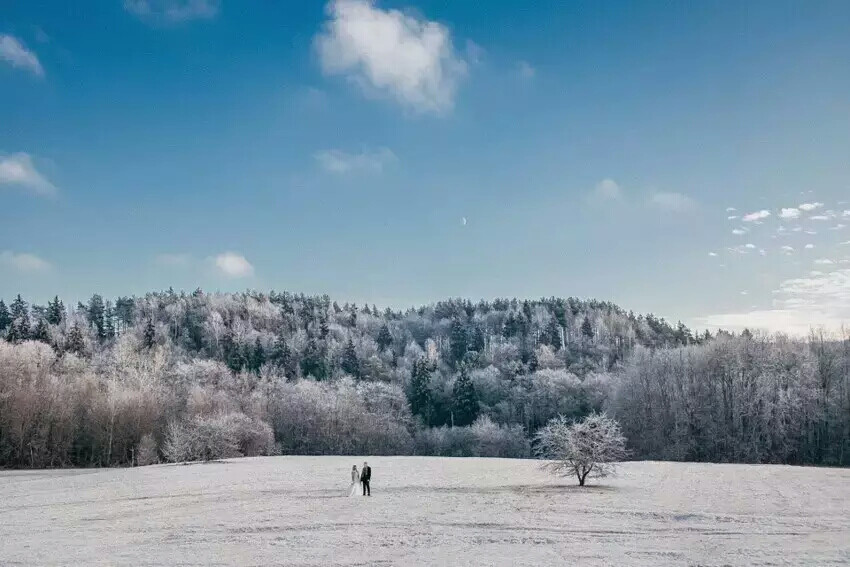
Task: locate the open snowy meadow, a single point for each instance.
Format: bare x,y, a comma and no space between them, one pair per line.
424,511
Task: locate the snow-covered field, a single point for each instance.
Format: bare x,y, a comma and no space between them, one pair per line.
424,511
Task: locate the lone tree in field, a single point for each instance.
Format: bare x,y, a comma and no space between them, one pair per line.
590,447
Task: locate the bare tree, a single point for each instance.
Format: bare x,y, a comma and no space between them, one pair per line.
590,447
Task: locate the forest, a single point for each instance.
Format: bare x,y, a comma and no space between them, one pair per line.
176,376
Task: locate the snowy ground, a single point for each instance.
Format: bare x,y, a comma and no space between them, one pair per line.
424,511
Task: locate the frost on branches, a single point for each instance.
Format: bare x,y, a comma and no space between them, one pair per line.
590,447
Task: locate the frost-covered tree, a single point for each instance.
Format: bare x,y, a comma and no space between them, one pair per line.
590,447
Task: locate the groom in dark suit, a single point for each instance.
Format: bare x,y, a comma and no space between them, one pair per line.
365,477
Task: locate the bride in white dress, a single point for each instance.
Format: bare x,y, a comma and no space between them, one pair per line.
355,480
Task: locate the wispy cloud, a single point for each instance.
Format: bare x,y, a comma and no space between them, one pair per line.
787,249
525,70
824,262
756,216
800,304
607,190
18,170
233,265
810,206
23,262
172,11
739,231
13,52
790,213
406,58
340,162
674,202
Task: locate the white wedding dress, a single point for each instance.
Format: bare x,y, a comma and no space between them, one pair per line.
355,484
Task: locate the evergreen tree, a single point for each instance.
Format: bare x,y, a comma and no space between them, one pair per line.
19,329
477,341
108,322
41,332
324,330
282,357
124,311
352,318
464,399
533,363
420,397
95,312
76,343
149,336
385,339
258,356
5,317
313,362
350,363
234,357
587,328
458,342
553,333
55,311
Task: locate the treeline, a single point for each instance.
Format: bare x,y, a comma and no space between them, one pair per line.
173,376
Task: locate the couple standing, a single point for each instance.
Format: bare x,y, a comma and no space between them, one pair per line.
363,477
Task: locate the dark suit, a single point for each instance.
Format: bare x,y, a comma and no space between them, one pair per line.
365,477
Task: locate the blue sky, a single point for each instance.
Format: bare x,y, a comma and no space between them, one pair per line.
402,152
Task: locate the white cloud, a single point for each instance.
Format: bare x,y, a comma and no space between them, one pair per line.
820,217
463,221
809,246
675,202
820,300
739,231
732,217
525,70
234,265
810,206
17,55
474,52
18,170
845,243
401,56
607,189
790,213
340,162
845,213
787,249
22,262
172,11
731,209
742,248
756,216
824,262
810,231
712,254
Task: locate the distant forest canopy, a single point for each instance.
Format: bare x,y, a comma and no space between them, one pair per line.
139,380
